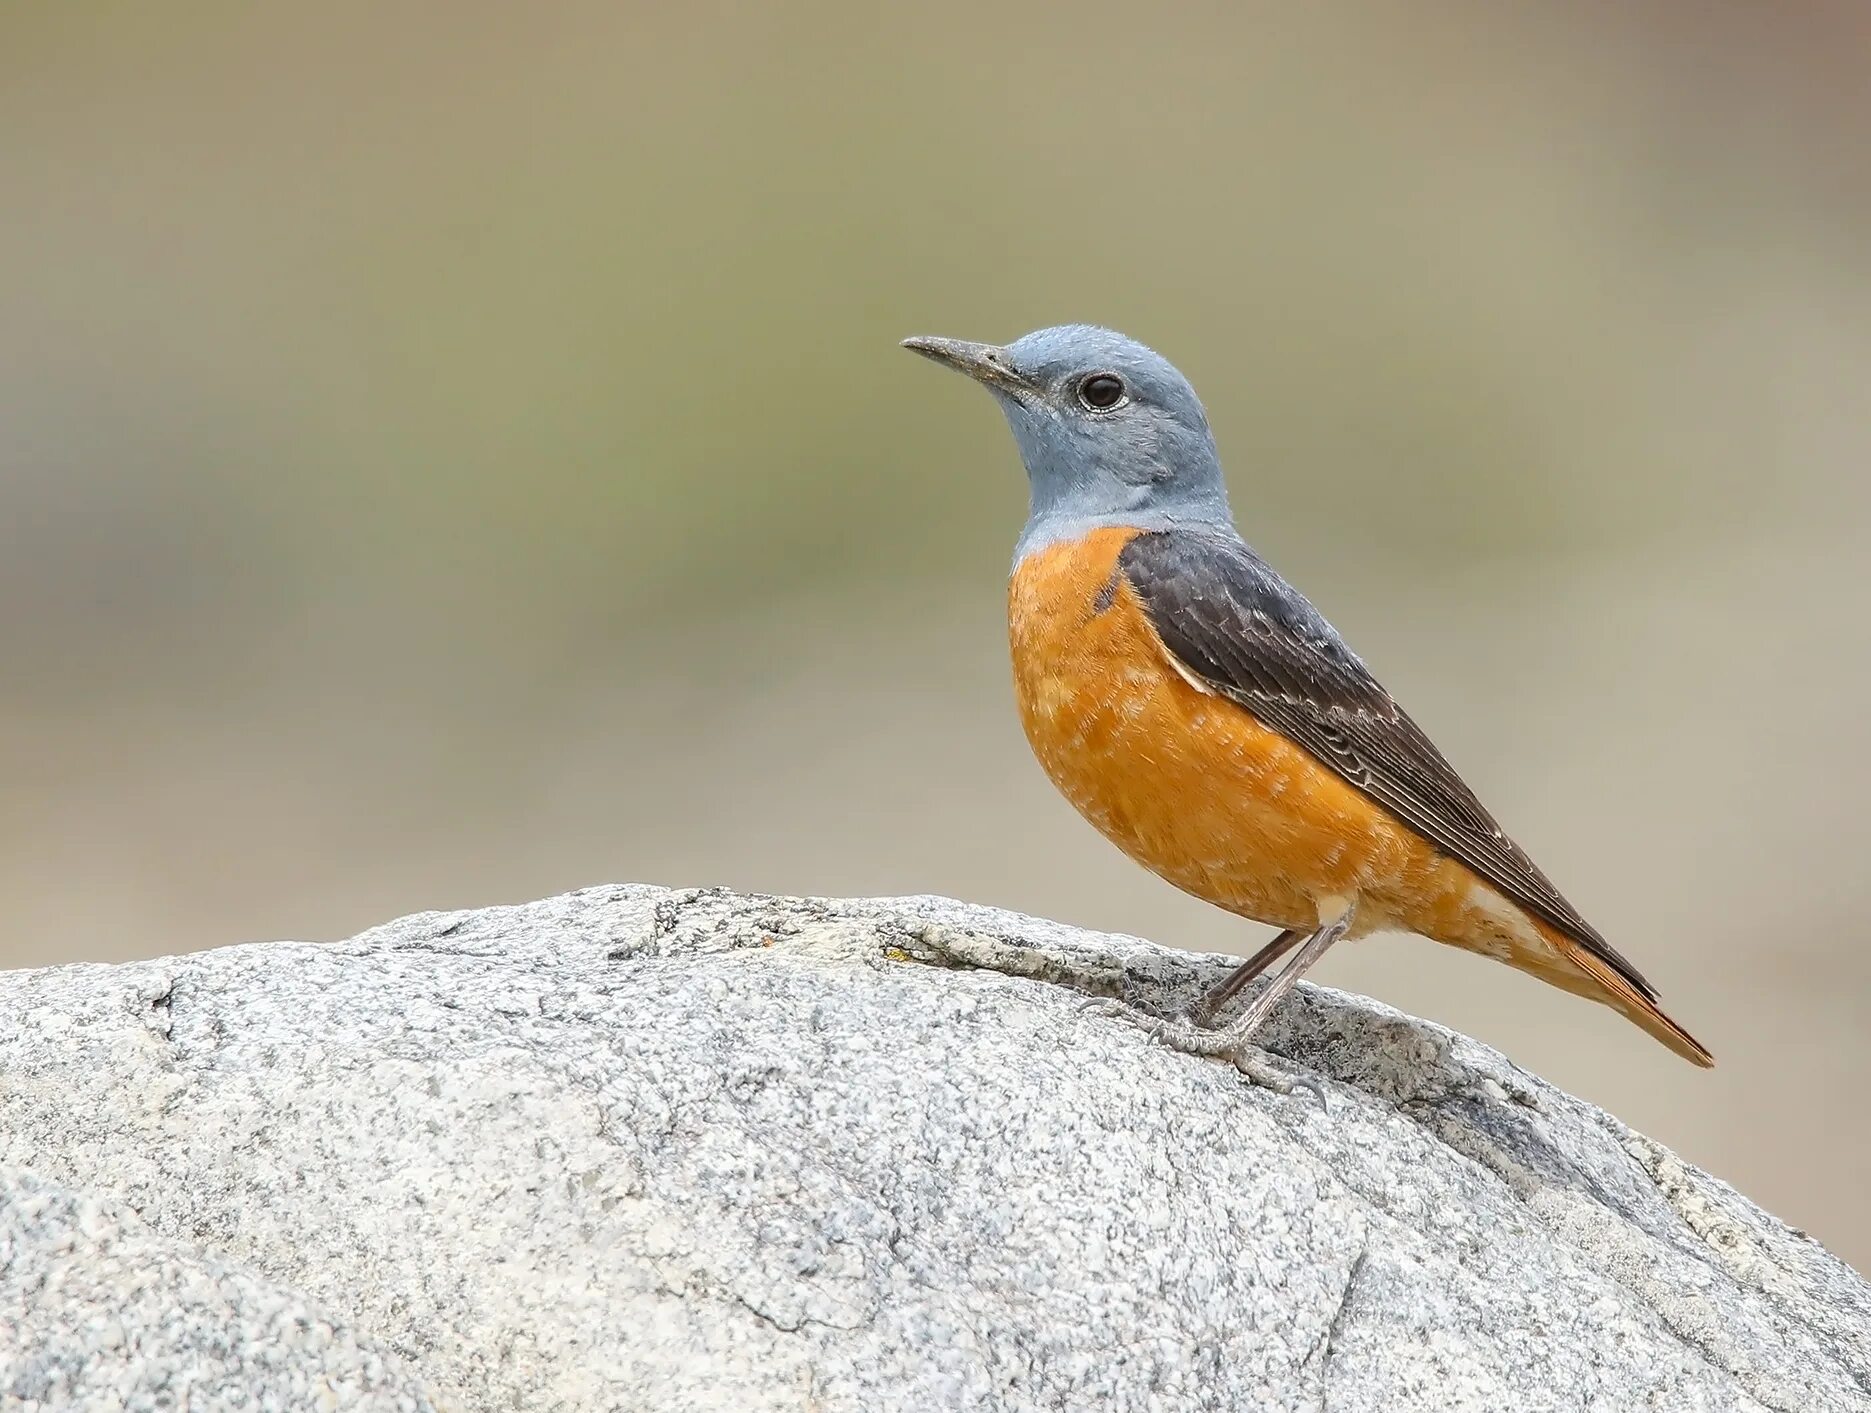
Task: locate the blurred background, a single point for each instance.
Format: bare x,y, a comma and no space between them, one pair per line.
453,456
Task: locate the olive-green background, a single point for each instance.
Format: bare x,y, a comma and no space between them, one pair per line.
452,454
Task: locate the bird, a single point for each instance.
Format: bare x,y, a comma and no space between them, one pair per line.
1197,710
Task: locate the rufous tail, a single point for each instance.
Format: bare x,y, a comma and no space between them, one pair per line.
1584,973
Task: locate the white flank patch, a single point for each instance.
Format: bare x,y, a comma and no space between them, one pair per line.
1510,919
1333,906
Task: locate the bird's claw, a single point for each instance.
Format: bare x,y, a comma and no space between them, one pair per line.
1252,1062
1268,1076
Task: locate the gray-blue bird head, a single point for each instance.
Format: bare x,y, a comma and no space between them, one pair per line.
1110,432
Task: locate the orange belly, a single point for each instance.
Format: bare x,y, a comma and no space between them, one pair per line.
1194,788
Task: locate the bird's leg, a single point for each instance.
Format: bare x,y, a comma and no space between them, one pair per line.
1209,1004
1239,1031
1232,1040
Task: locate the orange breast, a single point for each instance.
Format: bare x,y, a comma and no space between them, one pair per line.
1186,782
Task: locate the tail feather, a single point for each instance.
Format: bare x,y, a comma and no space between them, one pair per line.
1584,973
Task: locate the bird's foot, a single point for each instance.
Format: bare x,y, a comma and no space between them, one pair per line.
1225,1043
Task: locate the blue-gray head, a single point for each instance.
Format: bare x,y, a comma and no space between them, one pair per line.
1110,432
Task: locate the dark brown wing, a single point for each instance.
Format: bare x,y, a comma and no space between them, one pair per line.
1240,628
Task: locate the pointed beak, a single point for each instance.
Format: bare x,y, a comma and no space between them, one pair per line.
986,363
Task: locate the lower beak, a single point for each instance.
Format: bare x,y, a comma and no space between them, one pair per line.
984,362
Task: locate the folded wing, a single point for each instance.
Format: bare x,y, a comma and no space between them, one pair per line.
1235,625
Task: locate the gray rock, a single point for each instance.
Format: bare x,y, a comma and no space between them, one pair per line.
636,1149
97,1311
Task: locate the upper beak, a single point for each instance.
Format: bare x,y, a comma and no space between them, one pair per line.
984,362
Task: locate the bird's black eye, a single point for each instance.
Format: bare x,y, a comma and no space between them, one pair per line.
1101,391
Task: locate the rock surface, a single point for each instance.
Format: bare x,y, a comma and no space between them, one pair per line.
641,1149
97,1311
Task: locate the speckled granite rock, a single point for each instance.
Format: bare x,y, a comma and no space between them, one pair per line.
99,1312
641,1149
